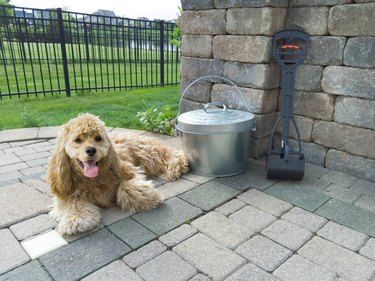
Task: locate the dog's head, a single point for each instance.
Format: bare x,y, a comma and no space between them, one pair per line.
86,143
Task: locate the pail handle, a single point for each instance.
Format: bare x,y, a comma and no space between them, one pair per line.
205,108
217,77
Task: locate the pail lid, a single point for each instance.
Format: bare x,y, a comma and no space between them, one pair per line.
215,120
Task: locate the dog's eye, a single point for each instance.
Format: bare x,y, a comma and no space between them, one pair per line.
98,138
78,140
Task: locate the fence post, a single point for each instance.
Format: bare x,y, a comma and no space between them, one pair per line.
162,52
63,50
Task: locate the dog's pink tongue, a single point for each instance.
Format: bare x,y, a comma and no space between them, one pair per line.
90,169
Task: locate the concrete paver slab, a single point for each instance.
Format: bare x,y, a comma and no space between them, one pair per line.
344,236
287,234
253,218
331,256
33,226
265,202
209,195
178,235
305,219
264,253
144,254
251,272
209,256
12,254
115,271
177,269
223,230
369,249
25,272
230,207
84,256
131,232
19,202
168,216
298,194
297,268
349,215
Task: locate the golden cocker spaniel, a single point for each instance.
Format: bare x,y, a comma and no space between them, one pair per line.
90,169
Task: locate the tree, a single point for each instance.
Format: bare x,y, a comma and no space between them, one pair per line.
6,14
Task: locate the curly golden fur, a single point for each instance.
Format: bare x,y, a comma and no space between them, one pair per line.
90,169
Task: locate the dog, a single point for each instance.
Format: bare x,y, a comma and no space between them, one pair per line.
91,169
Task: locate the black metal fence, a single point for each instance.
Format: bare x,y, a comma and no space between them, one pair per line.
55,51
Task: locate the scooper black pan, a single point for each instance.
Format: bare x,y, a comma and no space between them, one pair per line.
289,50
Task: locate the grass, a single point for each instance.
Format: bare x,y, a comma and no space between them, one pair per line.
115,108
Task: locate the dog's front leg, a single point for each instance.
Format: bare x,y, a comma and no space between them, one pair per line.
75,215
138,194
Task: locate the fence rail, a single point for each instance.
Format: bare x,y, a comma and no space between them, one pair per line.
55,51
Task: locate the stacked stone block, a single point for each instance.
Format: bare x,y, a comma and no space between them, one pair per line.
233,39
335,87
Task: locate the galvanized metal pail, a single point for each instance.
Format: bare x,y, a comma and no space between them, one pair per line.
216,140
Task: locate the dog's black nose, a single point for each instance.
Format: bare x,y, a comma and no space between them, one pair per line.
90,151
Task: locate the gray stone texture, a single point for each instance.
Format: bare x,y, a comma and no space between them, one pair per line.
306,3
305,219
262,76
364,187
258,101
298,194
15,209
173,189
252,218
116,271
355,112
325,50
334,257
194,68
339,178
253,3
298,268
305,126
203,22
223,230
209,195
188,5
12,254
358,52
168,216
255,21
308,77
343,236
197,46
178,235
177,269
314,20
248,49
348,81
354,140
251,272
264,124
341,193
263,252
231,207
33,226
368,250
131,232
287,234
199,91
316,105
351,164
208,256
265,202
84,256
144,254
30,271
352,20
349,215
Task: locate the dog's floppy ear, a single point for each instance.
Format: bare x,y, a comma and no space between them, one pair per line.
59,170
122,169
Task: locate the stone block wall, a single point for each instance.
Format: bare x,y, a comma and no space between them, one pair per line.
335,87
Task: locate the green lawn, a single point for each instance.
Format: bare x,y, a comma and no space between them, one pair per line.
115,108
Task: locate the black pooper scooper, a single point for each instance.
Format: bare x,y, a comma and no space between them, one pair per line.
289,50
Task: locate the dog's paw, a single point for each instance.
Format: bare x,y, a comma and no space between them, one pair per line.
176,167
74,225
